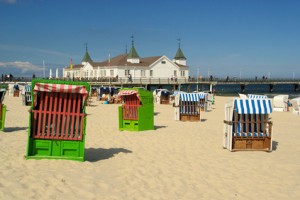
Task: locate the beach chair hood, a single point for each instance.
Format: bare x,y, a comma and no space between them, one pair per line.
48,87
192,96
253,106
128,92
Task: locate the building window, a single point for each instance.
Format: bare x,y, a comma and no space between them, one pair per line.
182,73
112,73
143,73
175,72
103,72
127,72
151,73
163,62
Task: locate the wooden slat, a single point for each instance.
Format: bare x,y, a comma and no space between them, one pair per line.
54,116
49,114
78,118
39,125
65,99
44,115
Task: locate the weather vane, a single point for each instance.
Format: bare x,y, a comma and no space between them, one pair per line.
86,46
132,40
179,42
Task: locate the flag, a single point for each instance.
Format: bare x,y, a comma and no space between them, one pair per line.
71,66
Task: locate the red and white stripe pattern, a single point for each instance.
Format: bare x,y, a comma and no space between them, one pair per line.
128,92
46,87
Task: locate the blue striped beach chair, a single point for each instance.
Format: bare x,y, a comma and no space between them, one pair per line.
27,95
188,106
247,125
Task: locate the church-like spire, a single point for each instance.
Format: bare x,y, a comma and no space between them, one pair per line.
132,53
179,55
86,57
133,56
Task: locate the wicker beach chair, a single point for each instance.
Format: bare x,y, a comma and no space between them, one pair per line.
57,120
2,109
163,96
280,103
296,105
26,95
137,110
188,106
247,125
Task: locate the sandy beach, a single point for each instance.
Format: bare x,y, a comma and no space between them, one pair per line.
178,160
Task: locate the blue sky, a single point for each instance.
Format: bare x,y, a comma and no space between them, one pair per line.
244,38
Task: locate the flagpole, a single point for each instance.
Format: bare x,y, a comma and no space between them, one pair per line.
109,66
43,68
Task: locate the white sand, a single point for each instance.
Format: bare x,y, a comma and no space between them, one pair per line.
178,160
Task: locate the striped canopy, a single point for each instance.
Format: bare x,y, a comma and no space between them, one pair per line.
128,92
49,87
192,96
256,96
253,106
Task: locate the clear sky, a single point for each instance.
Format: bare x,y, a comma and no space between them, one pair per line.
244,38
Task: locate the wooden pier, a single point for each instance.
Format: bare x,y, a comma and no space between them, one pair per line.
177,82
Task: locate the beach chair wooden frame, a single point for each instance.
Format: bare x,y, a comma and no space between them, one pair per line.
57,122
247,125
2,109
137,110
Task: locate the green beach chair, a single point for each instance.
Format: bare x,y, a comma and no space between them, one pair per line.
57,121
137,111
2,108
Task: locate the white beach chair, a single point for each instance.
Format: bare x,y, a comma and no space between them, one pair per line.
280,103
296,105
243,96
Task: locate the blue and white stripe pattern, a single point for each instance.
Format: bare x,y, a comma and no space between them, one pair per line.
192,96
256,96
27,88
253,106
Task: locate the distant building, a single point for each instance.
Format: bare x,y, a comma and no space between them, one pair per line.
130,64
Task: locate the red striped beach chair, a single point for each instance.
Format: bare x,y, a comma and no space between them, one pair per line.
57,120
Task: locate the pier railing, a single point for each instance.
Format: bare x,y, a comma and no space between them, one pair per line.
168,81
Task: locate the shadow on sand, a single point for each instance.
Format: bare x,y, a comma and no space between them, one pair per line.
158,127
12,129
94,155
274,145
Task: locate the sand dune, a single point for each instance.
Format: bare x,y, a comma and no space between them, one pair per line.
178,160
